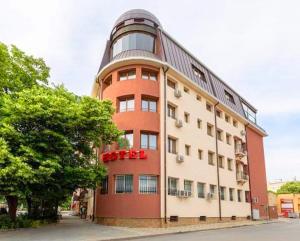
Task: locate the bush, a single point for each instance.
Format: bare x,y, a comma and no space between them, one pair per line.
22,221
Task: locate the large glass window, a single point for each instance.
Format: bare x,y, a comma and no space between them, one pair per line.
129,137
148,184
134,41
126,104
250,114
149,141
124,183
149,105
172,145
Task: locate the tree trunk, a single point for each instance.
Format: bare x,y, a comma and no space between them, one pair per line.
29,207
12,202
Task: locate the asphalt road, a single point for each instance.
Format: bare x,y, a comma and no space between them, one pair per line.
282,231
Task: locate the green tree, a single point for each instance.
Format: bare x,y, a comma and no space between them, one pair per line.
47,136
289,187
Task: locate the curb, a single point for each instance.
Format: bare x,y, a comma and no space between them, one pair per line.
183,232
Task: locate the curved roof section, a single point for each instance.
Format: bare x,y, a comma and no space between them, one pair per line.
137,13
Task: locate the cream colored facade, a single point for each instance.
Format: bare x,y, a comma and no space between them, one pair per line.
192,168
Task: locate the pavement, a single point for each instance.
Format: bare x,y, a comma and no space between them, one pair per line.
277,231
75,229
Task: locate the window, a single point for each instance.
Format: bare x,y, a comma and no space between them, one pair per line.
211,158
235,123
128,136
221,161
229,97
212,188
200,154
149,75
172,145
171,84
199,123
249,113
228,139
171,111
247,196
149,105
188,185
229,164
104,185
239,193
186,90
208,107
131,41
210,129
147,184
201,189
198,97
172,186
198,73
187,150
223,193
227,118
219,113
149,141
231,194
186,117
220,135
127,75
124,183
126,104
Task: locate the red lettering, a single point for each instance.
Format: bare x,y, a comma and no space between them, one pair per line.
114,156
122,154
142,154
132,154
106,157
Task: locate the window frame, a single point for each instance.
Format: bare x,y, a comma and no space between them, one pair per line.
201,194
147,72
148,179
149,135
126,99
124,188
174,145
172,108
127,72
149,100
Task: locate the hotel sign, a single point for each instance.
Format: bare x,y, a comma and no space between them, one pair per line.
123,154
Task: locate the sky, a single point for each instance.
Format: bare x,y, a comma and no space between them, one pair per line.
254,46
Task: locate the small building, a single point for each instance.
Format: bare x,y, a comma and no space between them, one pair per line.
288,203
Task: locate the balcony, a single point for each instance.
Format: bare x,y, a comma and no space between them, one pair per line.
240,151
241,177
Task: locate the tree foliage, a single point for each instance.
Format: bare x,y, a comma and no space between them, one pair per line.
289,187
47,135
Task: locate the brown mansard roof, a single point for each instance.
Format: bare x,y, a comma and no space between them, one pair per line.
183,61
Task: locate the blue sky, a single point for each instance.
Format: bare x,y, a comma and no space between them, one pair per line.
253,45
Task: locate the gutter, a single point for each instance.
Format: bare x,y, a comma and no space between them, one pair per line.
165,70
248,160
217,158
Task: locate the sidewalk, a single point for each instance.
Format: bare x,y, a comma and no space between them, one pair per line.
74,229
152,232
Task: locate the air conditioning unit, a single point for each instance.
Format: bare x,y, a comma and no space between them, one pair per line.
210,196
243,133
177,93
179,158
178,123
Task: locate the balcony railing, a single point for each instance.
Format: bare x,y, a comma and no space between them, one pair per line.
240,151
242,177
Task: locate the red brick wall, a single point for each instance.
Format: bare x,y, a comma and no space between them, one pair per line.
257,171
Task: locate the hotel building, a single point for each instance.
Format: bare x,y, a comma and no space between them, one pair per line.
195,150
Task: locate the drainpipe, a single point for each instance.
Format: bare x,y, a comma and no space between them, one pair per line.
248,168
97,156
217,156
165,70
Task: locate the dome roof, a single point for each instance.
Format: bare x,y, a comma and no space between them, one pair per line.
137,13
